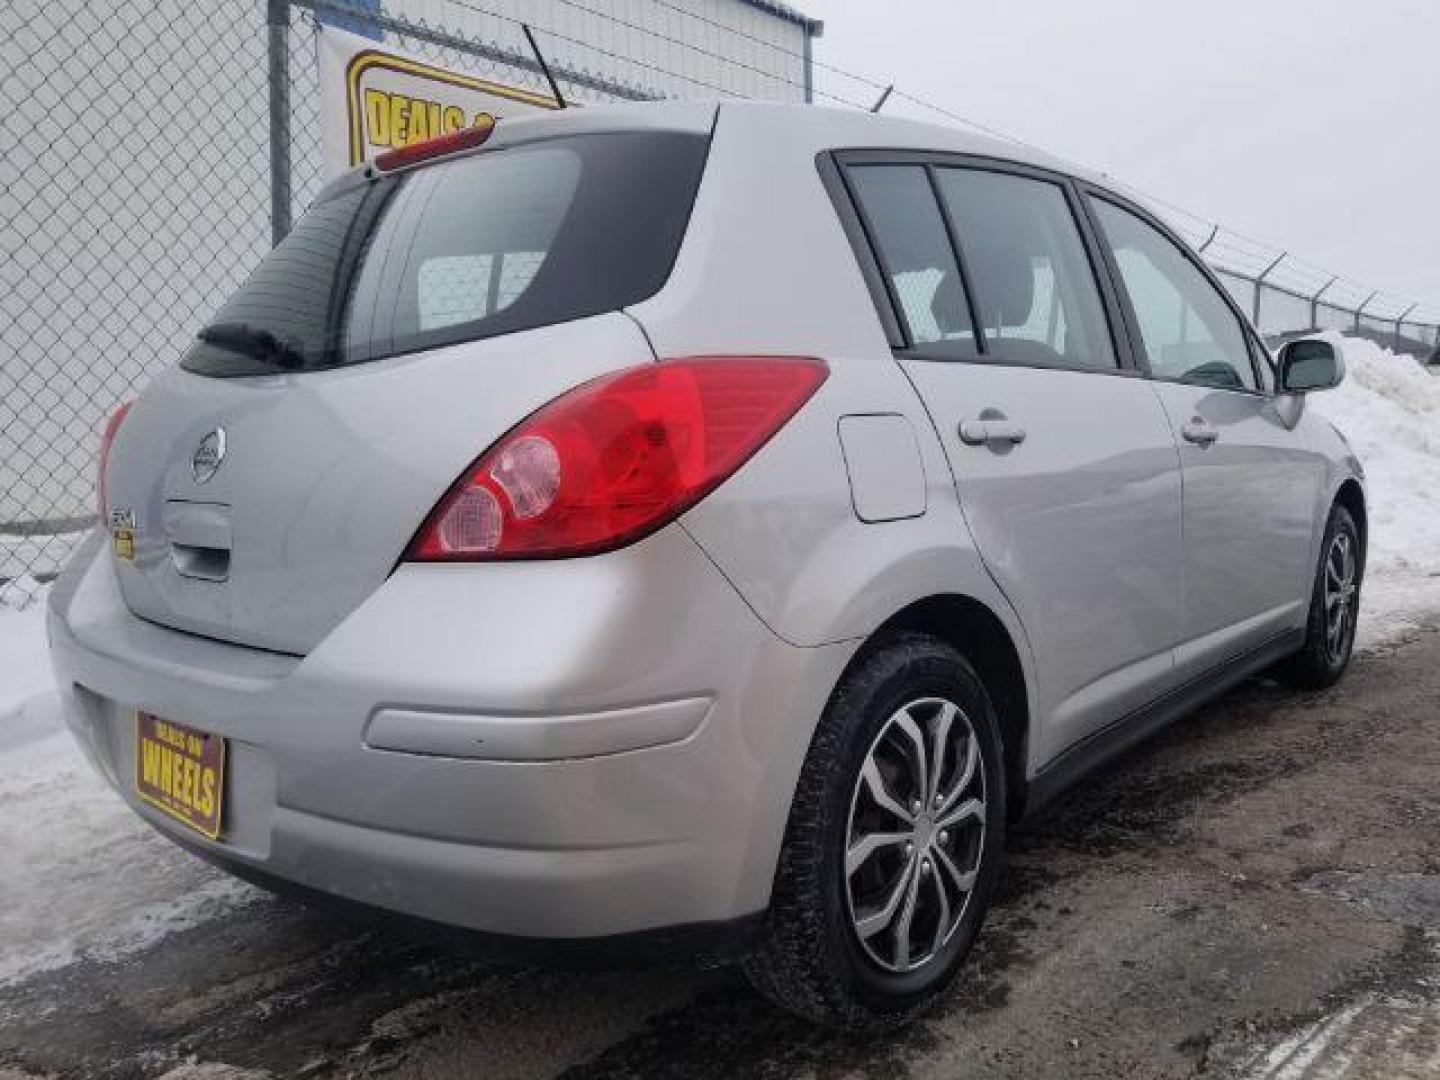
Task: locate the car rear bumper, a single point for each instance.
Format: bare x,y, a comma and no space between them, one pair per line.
705,943
554,750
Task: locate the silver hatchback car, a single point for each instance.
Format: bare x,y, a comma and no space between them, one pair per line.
696,529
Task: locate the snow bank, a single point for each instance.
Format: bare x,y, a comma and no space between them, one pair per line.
1388,408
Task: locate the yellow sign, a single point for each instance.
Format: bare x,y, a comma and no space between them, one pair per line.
122,533
374,100
180,771
396,120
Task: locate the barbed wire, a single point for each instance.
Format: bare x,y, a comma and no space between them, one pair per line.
557,35
1262,254
690,46
774,46
726,61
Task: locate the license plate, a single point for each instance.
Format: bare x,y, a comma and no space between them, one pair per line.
180,771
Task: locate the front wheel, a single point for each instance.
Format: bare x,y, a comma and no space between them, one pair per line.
893,845
1334,608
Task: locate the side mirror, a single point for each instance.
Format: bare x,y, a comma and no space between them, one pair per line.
1310,364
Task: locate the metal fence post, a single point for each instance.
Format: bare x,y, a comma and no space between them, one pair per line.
1400,322
1315,303
1361,309
277,24
1260,283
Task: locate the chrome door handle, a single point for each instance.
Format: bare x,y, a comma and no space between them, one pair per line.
1199,432
984,432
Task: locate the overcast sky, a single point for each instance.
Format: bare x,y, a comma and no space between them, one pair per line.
1314,124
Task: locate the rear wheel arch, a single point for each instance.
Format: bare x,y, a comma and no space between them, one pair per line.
978,634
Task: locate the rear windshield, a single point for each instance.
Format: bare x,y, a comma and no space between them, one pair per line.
504,240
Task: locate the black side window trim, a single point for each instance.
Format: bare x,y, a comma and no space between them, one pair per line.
834,165
860,233
1248,332
1264,354
967,281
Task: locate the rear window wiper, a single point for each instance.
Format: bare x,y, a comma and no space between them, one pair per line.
253,342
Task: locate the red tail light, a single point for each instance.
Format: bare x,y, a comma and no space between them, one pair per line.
615,459
107,440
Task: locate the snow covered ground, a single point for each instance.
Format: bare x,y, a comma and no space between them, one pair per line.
1389,408
82,877
56,816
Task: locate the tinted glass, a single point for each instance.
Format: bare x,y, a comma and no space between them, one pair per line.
1033,285
910,239
1189,332
505,240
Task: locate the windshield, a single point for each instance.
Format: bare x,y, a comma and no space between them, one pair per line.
504,240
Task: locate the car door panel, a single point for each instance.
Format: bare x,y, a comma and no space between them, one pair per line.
1249,513
1250,479
1064,463
1079,524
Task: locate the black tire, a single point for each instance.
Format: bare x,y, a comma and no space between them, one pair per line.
1319,663
809,958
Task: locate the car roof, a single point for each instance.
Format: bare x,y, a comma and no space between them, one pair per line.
813,126
835,128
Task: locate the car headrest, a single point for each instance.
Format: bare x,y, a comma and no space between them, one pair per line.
1006,284
1006,288
952,315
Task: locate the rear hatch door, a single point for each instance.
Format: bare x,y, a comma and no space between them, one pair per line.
274,480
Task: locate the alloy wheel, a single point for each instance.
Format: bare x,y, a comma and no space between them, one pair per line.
1340,602
916,834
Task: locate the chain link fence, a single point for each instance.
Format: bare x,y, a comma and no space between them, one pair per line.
136,193
133,198
148,165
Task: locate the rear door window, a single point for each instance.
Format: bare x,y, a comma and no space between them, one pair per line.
915,254
1034,288
508,239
